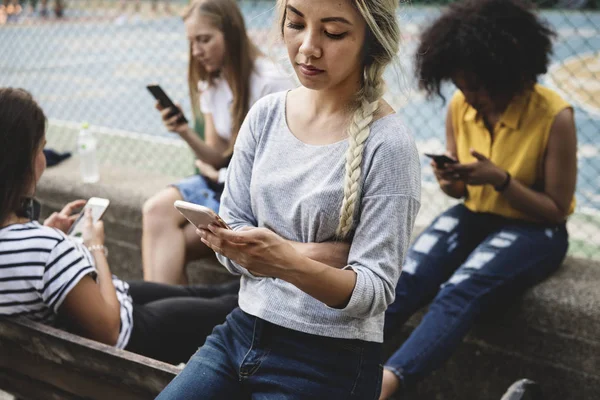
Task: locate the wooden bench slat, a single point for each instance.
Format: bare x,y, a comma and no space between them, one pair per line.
24,387
79,366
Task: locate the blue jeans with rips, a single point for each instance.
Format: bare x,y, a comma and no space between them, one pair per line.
465,262
250,358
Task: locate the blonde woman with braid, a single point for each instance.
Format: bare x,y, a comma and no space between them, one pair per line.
320,237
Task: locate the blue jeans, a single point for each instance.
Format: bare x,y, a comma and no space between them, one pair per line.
465,262
249,358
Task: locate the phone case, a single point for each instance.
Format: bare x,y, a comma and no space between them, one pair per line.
199,216
440,159
165,101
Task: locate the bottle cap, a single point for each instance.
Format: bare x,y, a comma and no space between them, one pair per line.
85,125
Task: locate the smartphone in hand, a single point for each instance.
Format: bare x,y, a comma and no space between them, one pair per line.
166,102
98,206
198,215
441,159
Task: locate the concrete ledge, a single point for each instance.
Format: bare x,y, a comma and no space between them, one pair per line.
551,334
127,189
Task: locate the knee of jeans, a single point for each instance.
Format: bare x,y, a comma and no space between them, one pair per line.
441,237
465,292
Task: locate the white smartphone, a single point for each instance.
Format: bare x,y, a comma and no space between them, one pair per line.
199,216
98,206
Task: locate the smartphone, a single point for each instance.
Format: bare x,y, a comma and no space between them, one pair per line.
199,216
441,159
166,102
98,206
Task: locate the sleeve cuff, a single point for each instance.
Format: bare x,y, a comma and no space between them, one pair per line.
362,295
64,292
235,268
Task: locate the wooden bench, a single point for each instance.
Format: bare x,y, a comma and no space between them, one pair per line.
41,362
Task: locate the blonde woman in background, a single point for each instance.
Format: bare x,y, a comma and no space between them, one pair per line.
227,74
315,170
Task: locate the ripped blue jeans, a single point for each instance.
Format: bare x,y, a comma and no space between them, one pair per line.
464,262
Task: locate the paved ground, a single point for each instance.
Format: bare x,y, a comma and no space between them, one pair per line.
92,67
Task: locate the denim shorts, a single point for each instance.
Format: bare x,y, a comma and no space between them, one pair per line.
195,189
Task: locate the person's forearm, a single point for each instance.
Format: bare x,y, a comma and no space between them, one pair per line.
333,254
203,151
331,286
533,203
456,189
107,288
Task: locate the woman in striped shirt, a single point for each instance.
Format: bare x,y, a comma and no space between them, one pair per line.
47,277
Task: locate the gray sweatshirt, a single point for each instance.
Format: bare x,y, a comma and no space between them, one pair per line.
295,189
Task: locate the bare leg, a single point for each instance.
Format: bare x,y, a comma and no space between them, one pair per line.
58,8
169,241
389,384
163,241
194,248
3,13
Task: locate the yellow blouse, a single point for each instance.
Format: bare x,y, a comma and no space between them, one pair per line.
519,145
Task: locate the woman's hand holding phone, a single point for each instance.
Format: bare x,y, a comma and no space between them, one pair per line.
172,119
259,250
444,175
481,172
93,232
64,219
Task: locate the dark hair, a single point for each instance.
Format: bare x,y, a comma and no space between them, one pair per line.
22,127
499,45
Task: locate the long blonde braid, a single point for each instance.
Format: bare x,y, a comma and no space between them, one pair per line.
382,44
358,132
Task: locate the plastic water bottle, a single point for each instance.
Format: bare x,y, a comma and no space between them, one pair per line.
86,148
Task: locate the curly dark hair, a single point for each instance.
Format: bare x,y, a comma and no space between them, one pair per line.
499,45
22,129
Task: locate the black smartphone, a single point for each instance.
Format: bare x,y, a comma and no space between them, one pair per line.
166,102
441,159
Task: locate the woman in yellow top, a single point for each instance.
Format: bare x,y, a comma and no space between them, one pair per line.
515,146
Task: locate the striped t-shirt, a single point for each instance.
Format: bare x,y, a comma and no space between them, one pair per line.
39,266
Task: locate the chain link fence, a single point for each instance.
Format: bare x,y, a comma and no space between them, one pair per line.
87,60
